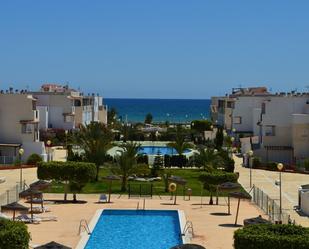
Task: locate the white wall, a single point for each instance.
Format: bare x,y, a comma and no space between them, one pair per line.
304,203
43,110
244,108
33,147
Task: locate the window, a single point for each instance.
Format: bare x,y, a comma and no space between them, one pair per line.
270,130
230,104
221,103
26,128
68,119
237,120
77,102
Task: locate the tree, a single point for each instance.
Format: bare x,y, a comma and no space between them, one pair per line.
201,125
179,144
13,234
148,118
95,139
219,138
111,116
126,163
158,165
212,179
75,175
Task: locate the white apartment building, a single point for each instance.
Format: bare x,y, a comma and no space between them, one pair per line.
221,111
19,126
246,113
284,128
64,108
234,110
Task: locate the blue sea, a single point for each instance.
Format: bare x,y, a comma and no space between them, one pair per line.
162,110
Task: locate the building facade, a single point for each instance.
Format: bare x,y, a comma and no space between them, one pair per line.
67,109
19,127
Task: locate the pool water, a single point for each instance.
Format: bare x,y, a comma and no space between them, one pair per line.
154,150
136,229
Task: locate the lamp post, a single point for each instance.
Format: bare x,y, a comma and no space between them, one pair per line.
66,138
280,167
20,153
48,150
250,154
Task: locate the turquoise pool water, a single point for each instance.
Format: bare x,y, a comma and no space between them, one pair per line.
154,150
136,229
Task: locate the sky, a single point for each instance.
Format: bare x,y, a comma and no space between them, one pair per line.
155,48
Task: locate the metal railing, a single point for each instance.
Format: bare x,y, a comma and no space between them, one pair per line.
5,160
83,224
269,206
188,226
11,195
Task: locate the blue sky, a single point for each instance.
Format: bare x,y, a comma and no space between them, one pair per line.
158,49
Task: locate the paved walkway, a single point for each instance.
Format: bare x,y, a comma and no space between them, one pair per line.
12,177
212,228
265,180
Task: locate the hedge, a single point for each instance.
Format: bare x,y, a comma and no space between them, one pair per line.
175,160
265,236
218,177
75,174
13,235
66,171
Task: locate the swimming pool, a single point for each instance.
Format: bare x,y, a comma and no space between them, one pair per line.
136,229
163,150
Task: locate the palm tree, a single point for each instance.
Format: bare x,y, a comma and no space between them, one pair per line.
95,139
126,163
208,159
179,144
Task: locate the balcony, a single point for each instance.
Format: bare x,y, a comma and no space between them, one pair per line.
70,113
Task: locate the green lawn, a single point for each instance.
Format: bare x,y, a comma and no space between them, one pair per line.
191,175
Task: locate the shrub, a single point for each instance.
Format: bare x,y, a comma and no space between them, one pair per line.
306,164
271,165
178,160
256,162
13,235
33,159
142,159
167,161
175,160
266,236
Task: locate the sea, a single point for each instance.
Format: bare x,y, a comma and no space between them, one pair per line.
162,110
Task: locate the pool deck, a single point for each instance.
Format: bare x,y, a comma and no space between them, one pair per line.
212,229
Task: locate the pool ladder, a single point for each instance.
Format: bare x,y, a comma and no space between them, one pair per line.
144,205
188,226
83,224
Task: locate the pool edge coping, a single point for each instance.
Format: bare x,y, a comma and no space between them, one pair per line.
94,220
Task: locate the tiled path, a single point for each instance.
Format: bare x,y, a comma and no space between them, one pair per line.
265,180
